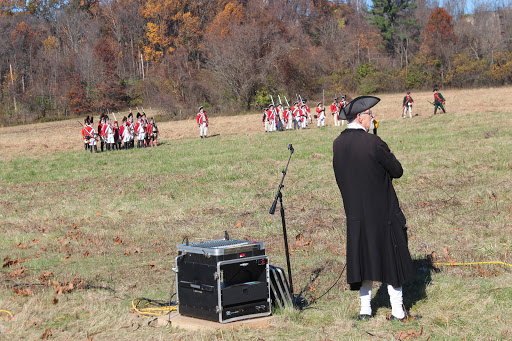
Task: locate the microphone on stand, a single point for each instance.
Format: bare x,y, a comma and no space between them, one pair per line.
274,204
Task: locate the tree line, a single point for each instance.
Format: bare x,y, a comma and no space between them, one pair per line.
61,58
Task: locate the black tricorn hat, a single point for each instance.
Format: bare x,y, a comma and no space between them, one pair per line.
358,105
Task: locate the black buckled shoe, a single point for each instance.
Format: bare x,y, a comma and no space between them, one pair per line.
407,318
364,317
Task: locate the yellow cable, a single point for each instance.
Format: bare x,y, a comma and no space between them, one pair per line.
8,312
474,263
152,311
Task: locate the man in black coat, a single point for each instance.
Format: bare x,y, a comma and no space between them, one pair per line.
377,247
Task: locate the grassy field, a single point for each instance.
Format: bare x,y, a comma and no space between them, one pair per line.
109,224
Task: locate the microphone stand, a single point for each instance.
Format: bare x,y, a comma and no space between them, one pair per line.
279,196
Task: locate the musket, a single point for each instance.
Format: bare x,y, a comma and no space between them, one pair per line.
274,106
279,97
431,103
297,97
115,119
288,104
138,112
323,97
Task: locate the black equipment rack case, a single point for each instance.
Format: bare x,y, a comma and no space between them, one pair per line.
223,280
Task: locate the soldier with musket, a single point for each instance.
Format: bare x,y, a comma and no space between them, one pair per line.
334,112
109,133
84,133
117,140
377,246
91,135
438,101
152,132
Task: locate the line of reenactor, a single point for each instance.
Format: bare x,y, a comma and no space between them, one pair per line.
111,136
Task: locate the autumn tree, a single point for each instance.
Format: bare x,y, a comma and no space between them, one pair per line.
241,54
79,102
439,34
110,90
438,42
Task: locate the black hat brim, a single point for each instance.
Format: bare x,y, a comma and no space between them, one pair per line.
358,105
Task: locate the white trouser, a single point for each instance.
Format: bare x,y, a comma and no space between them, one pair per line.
395,298
203,129
321,121
110,138
336,120
304,122
267,126
405,111
92,142
141,136
289,123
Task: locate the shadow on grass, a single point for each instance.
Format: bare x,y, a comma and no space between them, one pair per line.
413,291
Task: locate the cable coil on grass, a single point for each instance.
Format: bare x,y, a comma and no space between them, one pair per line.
7,312
148,307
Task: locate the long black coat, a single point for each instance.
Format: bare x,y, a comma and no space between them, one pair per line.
376,233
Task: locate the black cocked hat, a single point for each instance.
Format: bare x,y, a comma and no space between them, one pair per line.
358,105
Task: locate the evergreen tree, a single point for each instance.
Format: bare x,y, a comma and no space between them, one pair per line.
390,15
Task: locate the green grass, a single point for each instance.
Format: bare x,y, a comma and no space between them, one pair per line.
69,208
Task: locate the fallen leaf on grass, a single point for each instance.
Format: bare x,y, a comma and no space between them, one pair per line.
55,300
17,272
137,250
47,333
127,253
409,335
300,240
10,263
44,249
21,246
46,275
159,249
98,213
65,287
118,241
446,254
239,224
75,226
23,292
